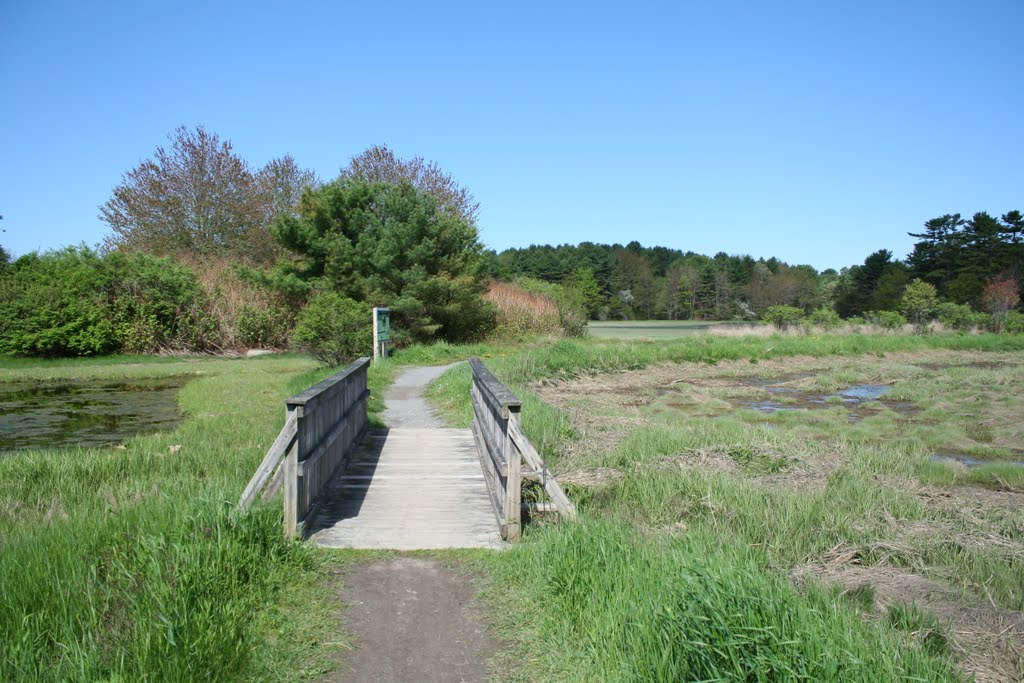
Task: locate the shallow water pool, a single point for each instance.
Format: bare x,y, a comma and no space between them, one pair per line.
68,414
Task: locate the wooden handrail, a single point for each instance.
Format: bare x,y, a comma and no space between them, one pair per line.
565,507
270,464
503,446
322,426
331,418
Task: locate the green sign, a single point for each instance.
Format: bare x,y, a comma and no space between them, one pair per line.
383,324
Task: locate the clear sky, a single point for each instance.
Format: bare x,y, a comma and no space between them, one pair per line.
817,132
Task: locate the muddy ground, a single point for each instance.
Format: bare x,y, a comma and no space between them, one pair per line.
933,395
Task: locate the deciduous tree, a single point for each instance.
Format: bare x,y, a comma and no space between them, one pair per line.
199,198
999,296
919,303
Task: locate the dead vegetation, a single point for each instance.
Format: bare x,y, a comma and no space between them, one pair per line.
986,638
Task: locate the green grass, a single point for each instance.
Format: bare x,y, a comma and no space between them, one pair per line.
596,602
127,565
609,599
657,329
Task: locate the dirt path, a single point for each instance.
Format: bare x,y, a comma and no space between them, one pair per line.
411,618
404,402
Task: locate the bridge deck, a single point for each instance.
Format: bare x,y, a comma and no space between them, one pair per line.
409,489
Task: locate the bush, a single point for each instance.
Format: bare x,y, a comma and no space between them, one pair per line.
1013,322
887,320
856,321
825,318
982,321
918,303
55,304
263,327
783,317
955,316
157,305
334,329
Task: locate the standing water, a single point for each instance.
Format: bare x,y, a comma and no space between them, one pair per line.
46,415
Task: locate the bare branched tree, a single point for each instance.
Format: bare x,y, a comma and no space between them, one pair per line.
378,164
198,198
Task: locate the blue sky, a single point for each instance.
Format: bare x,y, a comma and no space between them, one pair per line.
817,132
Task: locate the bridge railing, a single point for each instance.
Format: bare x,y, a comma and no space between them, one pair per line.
323,425
504,449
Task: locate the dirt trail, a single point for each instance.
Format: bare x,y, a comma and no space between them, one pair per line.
412,619
404,402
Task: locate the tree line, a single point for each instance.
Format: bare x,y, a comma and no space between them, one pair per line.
634,281
962,259
207,252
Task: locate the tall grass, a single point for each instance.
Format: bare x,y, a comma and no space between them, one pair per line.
126,564
680,572
607,605
523,314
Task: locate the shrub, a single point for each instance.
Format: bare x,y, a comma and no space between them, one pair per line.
825,318
334,329
157,305
55,304
856,321
918,303
265,327
955,316
783,317
1013,322
887,320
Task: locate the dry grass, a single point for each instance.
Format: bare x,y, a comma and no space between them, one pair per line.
523,314
938,558
227,295
987,640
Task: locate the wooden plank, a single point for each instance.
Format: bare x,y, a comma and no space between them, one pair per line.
269,464
554,491
490,479
316,390
275,482
493,391
401,509
291,483
513,492
491,448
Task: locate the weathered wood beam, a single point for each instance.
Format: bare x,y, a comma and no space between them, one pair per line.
270,463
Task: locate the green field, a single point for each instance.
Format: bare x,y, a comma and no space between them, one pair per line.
820,541
124,563
659,329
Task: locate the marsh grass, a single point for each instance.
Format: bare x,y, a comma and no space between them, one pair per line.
706,488
609,605
126,564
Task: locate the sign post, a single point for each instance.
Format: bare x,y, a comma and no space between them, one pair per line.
381,332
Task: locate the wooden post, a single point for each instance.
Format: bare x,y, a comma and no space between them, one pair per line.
376,342
514,484
291,491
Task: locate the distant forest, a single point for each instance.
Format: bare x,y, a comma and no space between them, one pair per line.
955,255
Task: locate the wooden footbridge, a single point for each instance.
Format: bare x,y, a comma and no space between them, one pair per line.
349,486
